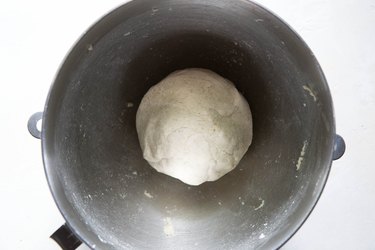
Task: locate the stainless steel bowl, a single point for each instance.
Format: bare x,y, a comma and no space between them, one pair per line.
109,195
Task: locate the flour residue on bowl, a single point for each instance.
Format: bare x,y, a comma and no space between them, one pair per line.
148,195
168,227
260,205
90,47
301,156
261,236
102,240
311,93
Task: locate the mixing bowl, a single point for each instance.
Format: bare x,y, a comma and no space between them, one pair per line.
108,194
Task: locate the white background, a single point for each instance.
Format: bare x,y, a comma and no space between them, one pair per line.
35,36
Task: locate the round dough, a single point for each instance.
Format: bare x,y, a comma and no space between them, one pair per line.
194,125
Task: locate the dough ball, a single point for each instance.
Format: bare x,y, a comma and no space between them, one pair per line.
194,125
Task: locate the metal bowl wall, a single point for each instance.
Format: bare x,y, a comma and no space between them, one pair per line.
108,193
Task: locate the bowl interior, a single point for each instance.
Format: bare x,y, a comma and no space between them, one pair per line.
111,196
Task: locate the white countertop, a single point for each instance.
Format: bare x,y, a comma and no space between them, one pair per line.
36,35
